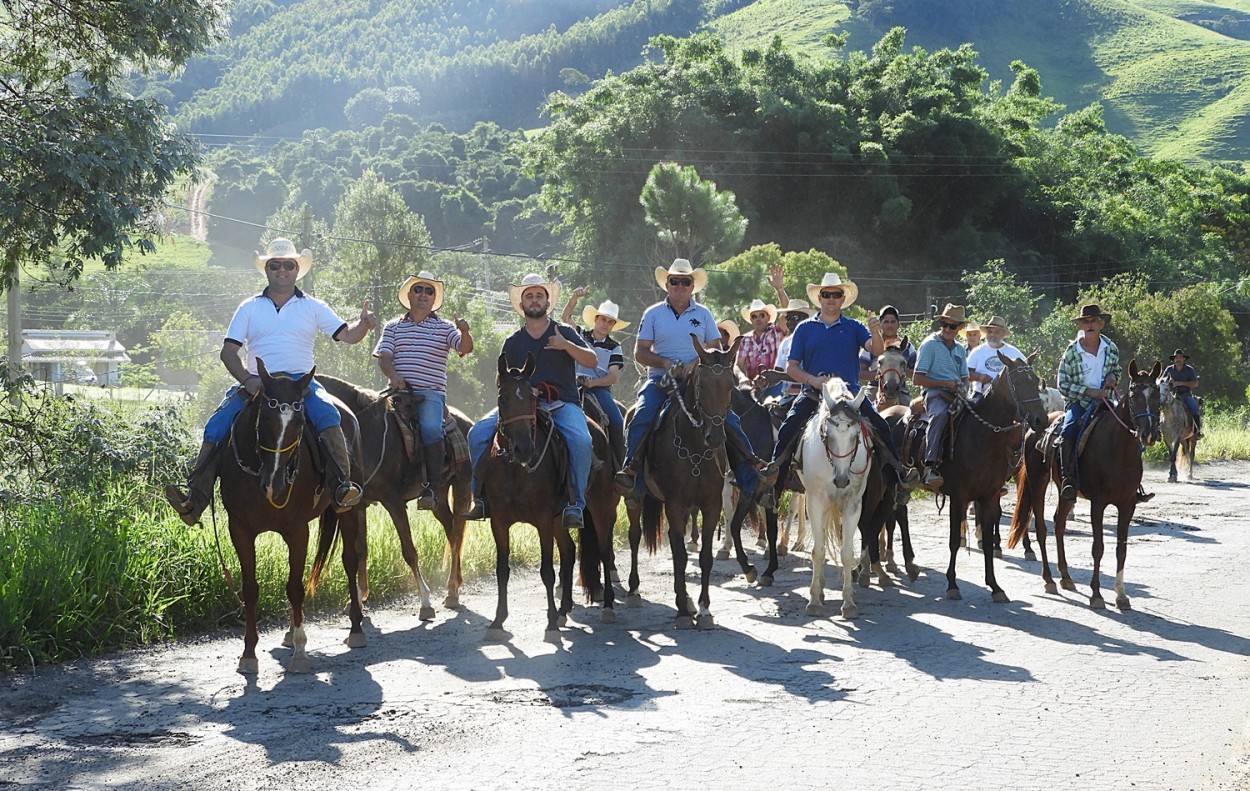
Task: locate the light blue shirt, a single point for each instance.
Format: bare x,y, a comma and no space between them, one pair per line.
669,333
939,362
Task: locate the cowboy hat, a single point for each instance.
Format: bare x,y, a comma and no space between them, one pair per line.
422,277
833,280
758,305
798,306
681,268
998,322
285,248
954,314
606,308
731,327
1092,312
1178,353
529,281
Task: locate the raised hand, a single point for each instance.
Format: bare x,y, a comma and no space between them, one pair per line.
367,316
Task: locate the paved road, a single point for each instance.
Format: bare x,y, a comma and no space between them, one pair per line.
919,692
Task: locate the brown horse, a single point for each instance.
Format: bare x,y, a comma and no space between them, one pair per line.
891,379
388,479
983,452
1179,431
524,481
1109,472
268,482
684,465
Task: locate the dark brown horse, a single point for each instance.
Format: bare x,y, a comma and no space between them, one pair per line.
982,454
524,481
388,479
268,482
1109,472
685,464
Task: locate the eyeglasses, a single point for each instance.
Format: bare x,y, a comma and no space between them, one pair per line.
274,266
946,326
423,290
681,281
831,295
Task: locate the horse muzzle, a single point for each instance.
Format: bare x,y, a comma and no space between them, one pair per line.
842,481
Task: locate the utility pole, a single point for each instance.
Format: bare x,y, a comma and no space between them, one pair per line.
305,243
15,332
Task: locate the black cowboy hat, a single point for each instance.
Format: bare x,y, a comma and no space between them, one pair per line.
1178,353
1092,312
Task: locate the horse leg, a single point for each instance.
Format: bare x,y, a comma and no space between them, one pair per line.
568,559
957,531
399,517
453,526
547,571
770,522
1173,449
1096,508
1037,507
1061,556
604,523
711,515
849,519
990,512
245,548
728,506
676,530
352,531
909,554
1124,516
362,566
1029,554
735,535
297,556
888,537
500,530
818,523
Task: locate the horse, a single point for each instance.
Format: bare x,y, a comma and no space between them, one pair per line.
1110,470
268,482
1179,431
896,417
387,480
982,452
757,424
523,479
891,379
688,481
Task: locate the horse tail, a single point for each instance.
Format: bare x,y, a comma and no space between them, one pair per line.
590,561
328,530
652,516
1024,501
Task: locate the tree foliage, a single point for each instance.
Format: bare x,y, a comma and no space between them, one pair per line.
691,218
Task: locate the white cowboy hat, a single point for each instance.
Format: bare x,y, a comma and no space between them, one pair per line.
606,308
798,306
998,322
833,280
529,281
756,306
731,327
285,248
681,268
422,277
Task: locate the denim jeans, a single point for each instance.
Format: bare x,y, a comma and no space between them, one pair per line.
318,408
570,420
430,415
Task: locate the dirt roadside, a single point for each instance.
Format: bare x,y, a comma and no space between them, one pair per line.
919,691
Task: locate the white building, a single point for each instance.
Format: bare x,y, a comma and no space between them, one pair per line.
73,355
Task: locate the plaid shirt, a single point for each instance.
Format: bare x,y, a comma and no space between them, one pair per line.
1072,372
756,355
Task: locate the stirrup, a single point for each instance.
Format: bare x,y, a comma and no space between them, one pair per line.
479,510
1067,490
425,500
347,496
624,481
572,520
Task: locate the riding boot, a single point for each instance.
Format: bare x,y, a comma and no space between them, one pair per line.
1067,469
199,486
1197,427
434,467
479,509
616,441
347,493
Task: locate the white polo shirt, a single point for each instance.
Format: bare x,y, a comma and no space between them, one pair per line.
282,337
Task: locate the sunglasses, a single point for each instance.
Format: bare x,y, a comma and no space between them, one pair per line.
423,290
795,316
831,295
946,326
681,281
274,266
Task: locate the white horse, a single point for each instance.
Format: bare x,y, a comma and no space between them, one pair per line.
1052,399
836,453
1178,432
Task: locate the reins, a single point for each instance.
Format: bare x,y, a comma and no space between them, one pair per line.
670,383
861,439
532,464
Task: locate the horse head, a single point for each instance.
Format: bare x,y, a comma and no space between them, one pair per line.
518,409
280,421
841,429
1022,384
1143,401
891,374
710,388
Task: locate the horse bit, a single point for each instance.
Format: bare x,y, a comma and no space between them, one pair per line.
684,453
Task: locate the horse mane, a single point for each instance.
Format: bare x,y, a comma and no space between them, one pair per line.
364,397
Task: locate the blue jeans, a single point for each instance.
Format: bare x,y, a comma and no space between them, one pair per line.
1074,415
430,415
318,408
1190,402
608,404
570,420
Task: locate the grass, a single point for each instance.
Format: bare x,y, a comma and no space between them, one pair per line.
1225,437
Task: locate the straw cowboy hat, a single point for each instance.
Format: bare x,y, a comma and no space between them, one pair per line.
1178,353
285,248
999,322
756,306
681,268
606,308
798,306
1092,312
833,280
731,327
421,277
529,281
954,314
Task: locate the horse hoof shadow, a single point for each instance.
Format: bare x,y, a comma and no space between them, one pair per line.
497,635
685,622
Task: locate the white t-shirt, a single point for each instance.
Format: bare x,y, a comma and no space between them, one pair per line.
1094,363
984,360
282,337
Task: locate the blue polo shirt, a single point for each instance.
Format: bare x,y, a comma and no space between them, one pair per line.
938,361
830,349
669,332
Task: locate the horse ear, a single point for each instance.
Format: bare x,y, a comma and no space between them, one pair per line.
1010,362
905,345
503,366
733,347
1032,357
262,370
1156,370
527,370
306,380
1132,366
859,398
698,347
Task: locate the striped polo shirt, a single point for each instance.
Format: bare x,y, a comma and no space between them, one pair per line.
419,351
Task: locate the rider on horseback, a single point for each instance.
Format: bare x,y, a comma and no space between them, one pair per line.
1184,380
868,364
1088,371
942,370
597,381
413,354
984,364
278,325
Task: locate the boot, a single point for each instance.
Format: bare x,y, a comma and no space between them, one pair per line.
1197,427
908,477
347,493
479,509
199,486
933,477
1067,469
616,440
434,467
623,483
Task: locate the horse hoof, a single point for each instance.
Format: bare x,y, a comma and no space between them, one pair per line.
1000,597
815,609
891,567
1052,589
705,622
849,611
1096,603
496,634
760,542
562,619
1123,603
913,571
1171,479
863,579
452,602
607,616
766,581
299,664
884,581
953,594
998,554
750,574
692,546
782,550
552,636
722,554
685,622
426,614
1067,585
287,641
356,640
633,601
1030,555
249,666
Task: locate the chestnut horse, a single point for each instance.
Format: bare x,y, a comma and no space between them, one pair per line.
1109,472
387,479
524,481
268,482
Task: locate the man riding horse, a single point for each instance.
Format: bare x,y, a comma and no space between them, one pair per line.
412,353
597,324
557,349
984,364
868,364
278,325
942,370
758,352
1184,380
1088,371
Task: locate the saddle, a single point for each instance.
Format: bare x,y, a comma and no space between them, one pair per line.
456,444
1048,445
913,449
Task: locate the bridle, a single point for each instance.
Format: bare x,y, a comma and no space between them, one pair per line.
1021,421
504,441
291,469
699,416
861,439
